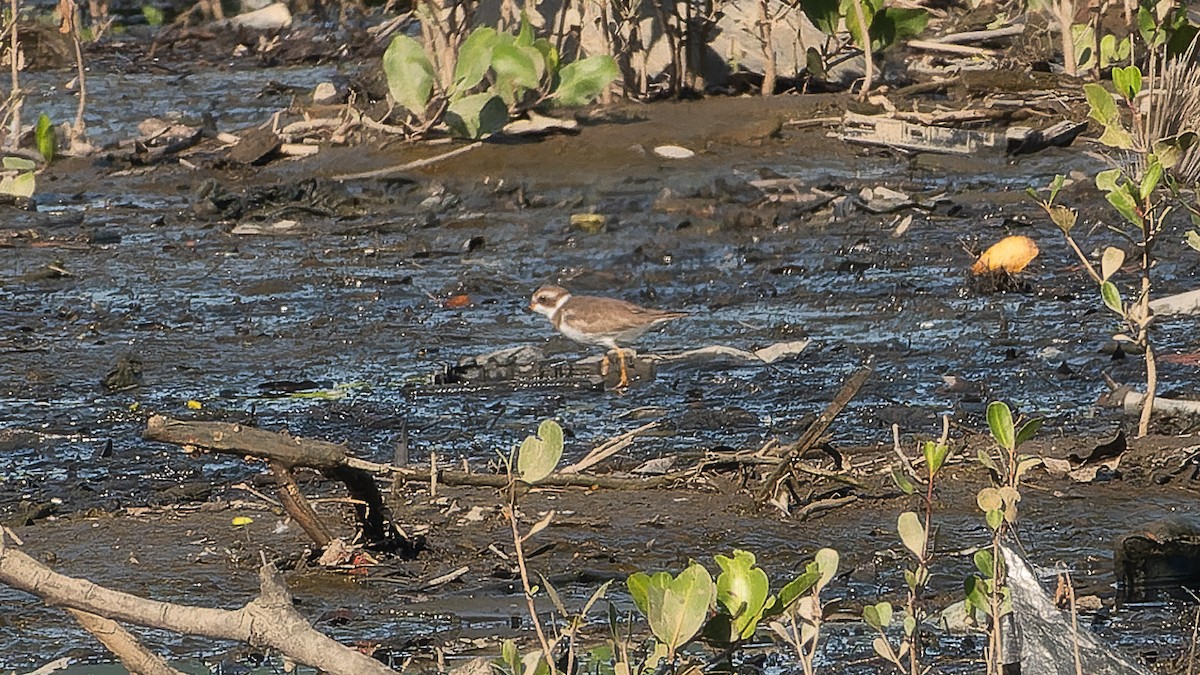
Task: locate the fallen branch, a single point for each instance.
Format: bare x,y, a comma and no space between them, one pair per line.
947,48
608,449
814,431
267,621
409,166
289,452
135,657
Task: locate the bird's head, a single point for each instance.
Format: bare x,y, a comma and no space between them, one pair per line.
548,299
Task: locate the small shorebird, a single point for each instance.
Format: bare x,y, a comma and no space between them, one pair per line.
599,321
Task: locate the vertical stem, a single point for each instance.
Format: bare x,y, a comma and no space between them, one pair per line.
766,26
78,129
1151,225
865,34
15,98
1066,13
511,512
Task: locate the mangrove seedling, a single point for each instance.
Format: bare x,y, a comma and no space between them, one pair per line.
1156,157
495,76
802,611
674,606
536,459
916,533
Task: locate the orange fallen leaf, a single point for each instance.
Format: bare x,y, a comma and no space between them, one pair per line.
1010,254
1181,359
457,301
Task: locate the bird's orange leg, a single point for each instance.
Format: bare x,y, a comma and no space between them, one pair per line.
624,373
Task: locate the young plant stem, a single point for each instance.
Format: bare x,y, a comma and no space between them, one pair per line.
1064,11
1074,623
78,129
15,97
766,24
865,35
510,512
1143,336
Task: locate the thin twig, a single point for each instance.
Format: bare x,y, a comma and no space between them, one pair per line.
409,166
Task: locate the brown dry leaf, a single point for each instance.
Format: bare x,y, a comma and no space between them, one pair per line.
1010,254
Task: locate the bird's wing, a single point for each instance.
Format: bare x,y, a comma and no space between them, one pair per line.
610,315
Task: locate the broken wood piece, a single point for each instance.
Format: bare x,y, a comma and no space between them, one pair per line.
1130,403
123,645
812,434
289,452
949,48
608,449
981,35
270,620
769,354
1180,303
255,146
298,149
891,132
297,506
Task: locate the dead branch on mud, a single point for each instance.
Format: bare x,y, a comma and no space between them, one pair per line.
267,621
135,657
288,452
812,434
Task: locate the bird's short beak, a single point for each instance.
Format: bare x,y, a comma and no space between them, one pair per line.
533,305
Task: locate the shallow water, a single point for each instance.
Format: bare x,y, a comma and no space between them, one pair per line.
357,302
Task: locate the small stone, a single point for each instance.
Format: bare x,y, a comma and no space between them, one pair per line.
325,94
673,152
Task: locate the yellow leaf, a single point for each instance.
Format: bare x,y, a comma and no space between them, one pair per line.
1010,254
242,521
193,404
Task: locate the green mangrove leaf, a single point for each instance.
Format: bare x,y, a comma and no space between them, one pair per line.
1056,186
1170,150
1150,180
679,606
986,460
409,74
879,615
977,595
583,81
1193,239
1108,180
994,518
638,584
20,185
742,592
1127,81
548,52
47,140
1123,202
1064,217
476,115
798,587
14,163
985,563
1000,422
154,15
515,71
827,563
1110,262
892,24
474,59
1029,430
906,486
1112,297
1083,39
856,27
1104,110
912,533
524,36
935,456
824,14
540,454
989,499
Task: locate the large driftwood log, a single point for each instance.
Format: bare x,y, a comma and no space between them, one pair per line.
288,452
267,621
135,657
291,452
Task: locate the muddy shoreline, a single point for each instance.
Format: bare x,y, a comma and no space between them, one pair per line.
354,302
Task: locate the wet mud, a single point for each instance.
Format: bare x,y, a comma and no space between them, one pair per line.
332,328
